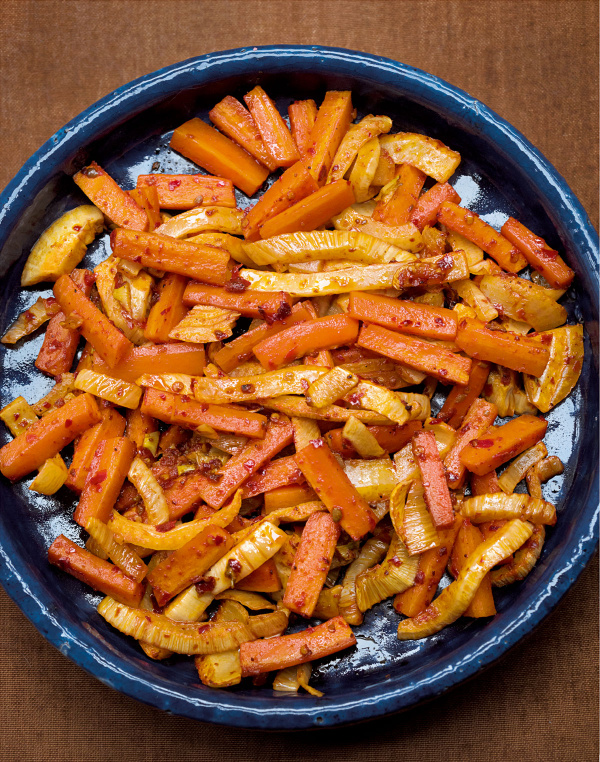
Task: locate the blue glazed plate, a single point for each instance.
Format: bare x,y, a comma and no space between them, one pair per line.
501,174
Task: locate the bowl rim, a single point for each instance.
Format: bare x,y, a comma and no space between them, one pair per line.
561,205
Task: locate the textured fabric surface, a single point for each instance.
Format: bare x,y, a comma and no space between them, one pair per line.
536,64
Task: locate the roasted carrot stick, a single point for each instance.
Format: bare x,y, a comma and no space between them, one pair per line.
428,358
540,256
173,408
95,572
273,130
265,579
268,654
327,478
212,151
470,225
512,350
312,211
139,425
163,358
107,473
239,350
294,184
182,496
398,208
390,438
60,343
432,564
235,121
332,123
467,539
435,487
404,316
254,304
305,338
311,563
302,116
279,473
47,436
288,496
485,484
426,208
460,398
107,340
495,446
168,310
204,263
189,191
113,201
111,425
186,565
480,417
150,203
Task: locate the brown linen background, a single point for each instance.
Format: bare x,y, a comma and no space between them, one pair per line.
536,64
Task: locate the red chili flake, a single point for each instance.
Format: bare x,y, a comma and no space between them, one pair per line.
59,403
419,578
248,388
234,565
166,526
203,628
482,443
206,584
98,477
174,184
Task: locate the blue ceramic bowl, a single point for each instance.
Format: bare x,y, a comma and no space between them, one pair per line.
501,173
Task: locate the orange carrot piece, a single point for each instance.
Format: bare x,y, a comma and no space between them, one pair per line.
495,446
168,310
105,478
397,210
335,490
112,201
60,343
230,116
540,256
265,579
107,340
234,473
426,208
268,654
311,563
432,564
312,211
189,191
470,225
467,539
147,198
460,398
273,130
187,564
390,438
480,417
204,263
436,361
112,425
302,115
220,156
288,496
278,473
47,436
404,316
173,408
512,350
305,338
485,484
139,425
95,572
294,184
254,304
239,350
162,358
435,487
332,123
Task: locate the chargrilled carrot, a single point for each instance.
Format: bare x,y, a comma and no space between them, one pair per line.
112,425
404,316
155,359
235,121
435,487
397,209
540,256
168,310
279,473
332,122
460,398
467,539
114,202
480,417
302,115
273,130
426,208
189,191
254,304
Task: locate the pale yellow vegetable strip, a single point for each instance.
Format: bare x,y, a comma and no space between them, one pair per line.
252,601
305,430
220,670
411,519
475,298
498,506
455,599
519,467
194,221
106,273
158,630
472,252
367,278
176,383
113,390
29,321
330,387
224,241
373,479
248,388
361,439
189,606
295,514
120,554
371,553
364,169
62,390
381,400
523,562
395,574
358,134
155,502
204,324
299,407
427,154
406,237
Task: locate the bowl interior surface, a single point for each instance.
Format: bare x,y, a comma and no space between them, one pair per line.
127,133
